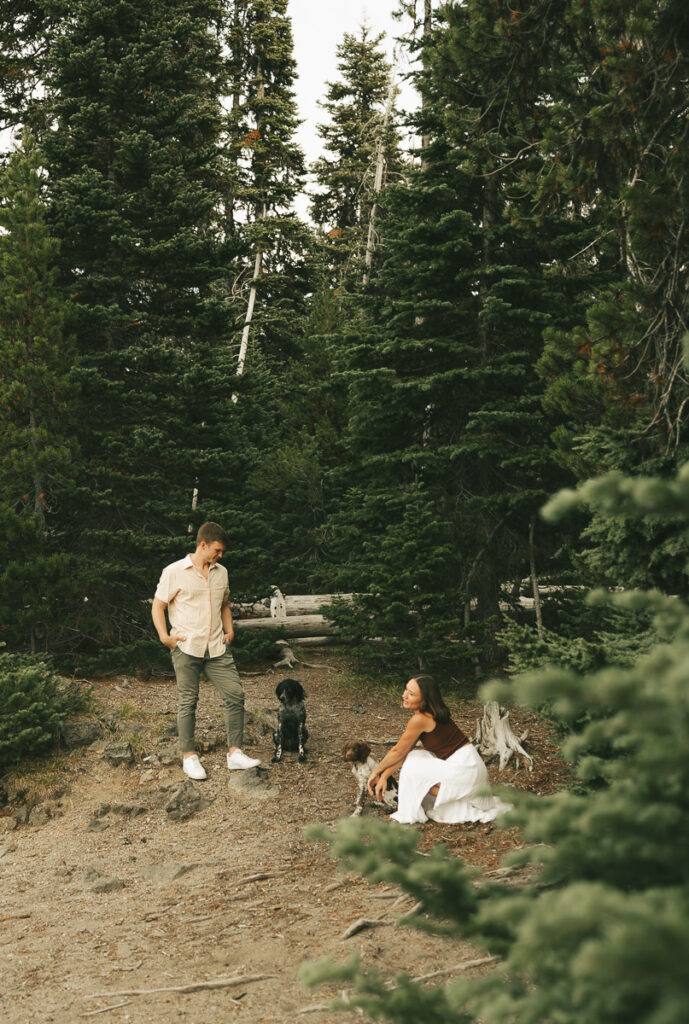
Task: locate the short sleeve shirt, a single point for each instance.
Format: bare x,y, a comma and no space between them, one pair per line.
194,604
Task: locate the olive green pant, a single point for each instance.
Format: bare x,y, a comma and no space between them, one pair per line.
222,673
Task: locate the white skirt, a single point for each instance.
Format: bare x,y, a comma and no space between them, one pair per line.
461,777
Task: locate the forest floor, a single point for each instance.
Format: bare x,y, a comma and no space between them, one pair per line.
110,897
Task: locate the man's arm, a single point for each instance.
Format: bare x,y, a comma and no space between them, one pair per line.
158,615
227,624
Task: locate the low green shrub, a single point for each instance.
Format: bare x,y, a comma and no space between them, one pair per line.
34,701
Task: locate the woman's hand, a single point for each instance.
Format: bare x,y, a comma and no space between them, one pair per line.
373,779
380,787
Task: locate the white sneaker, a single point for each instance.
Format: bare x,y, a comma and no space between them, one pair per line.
238,759
192,767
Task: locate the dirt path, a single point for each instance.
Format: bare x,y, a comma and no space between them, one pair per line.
187,910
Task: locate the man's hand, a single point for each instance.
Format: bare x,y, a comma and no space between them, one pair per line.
172,641
228,637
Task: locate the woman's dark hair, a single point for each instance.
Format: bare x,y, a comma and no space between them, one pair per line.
431,699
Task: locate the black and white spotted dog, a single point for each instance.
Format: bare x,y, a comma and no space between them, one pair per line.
359,756
291,733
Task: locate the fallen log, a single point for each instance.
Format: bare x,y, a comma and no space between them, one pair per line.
311,604
251,610
293,625
316,641
279,605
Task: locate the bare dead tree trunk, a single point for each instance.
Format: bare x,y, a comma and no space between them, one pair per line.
38,488
427,27
258,261
534,584
378,181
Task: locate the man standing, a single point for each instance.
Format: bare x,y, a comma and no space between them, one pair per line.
196,594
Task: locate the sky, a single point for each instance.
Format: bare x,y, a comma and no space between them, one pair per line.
318,27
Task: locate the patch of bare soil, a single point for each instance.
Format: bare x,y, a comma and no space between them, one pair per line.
112,897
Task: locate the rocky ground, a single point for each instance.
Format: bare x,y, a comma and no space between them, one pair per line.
121,884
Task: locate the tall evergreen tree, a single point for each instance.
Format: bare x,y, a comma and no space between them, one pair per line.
24,27
617,143
267,171
135,182
36,414
282,509
445,401
359,135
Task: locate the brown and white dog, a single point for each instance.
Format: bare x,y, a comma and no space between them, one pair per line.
358,754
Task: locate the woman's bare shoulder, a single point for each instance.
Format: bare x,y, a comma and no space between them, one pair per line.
422,722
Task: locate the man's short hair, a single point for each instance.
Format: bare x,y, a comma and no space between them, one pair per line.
211,532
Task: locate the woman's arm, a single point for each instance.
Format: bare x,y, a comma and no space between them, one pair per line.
416,725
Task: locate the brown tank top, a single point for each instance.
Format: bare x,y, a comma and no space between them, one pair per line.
444,740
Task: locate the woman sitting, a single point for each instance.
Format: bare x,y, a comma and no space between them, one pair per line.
440,782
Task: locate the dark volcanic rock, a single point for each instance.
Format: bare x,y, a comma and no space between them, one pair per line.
252,783
185,801
119,753
80,733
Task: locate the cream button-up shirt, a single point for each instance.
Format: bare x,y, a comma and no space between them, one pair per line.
194,604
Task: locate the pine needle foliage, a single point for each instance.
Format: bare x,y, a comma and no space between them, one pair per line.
134,182
358,132
603,935
33,704
447,430
37,414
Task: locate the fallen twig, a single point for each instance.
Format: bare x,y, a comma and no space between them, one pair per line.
258,877
335,885
194,986
464,966
360,924
416,909
312,664
392,986
400,899
14,917
343,997
104,1009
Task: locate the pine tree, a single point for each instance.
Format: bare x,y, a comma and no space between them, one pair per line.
135,180
33,704
267,171
616,145
36,413
24,27
282,516
359,135
446,411
601,933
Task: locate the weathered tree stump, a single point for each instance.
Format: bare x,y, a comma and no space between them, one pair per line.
495,738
